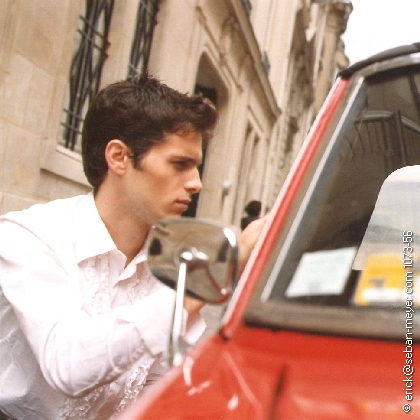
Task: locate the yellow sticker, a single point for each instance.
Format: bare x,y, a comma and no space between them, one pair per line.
384,280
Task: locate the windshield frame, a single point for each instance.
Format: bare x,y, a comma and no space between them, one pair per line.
370,322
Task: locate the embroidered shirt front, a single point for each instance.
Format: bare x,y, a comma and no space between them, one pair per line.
90,330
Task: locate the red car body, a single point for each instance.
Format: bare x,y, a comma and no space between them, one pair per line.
289,358
285,375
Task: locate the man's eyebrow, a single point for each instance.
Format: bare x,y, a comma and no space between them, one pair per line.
196,161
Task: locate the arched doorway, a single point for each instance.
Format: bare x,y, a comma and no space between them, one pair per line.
208,84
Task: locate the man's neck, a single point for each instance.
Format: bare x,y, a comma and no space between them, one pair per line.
128,234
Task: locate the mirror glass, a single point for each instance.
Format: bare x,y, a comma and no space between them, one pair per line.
209,249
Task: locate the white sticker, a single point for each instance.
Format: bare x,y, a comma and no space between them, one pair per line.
322,273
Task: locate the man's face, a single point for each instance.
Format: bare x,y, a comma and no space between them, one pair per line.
165,178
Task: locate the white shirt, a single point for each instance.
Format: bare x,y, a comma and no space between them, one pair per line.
79,334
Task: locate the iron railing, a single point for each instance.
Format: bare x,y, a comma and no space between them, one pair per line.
142,42
86,67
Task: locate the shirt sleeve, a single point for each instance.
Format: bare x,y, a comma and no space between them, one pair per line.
76,352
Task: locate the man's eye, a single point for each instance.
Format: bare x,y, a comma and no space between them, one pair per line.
180,165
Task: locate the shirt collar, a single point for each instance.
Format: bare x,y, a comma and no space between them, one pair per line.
128,271
91,235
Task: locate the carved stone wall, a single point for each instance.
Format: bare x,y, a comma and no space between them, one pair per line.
268,66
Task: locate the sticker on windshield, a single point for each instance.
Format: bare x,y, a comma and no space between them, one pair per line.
384,280
322,273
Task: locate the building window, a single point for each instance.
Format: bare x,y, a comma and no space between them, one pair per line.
265,62
248,179
140,49
86,67
248,6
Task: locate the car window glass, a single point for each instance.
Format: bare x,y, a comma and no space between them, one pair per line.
323,264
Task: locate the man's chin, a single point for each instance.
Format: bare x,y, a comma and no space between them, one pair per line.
171,216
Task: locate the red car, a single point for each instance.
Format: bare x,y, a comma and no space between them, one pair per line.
324,322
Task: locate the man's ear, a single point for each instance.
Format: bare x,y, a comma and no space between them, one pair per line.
116,155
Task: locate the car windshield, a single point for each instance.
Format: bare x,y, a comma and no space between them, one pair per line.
349,254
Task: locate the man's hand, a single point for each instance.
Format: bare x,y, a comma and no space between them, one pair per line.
192,306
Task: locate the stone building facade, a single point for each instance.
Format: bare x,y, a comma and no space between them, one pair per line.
267,65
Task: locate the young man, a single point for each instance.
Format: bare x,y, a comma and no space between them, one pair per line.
83,323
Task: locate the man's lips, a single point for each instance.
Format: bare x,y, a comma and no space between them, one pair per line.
183,203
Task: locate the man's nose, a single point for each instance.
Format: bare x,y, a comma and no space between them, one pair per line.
194,184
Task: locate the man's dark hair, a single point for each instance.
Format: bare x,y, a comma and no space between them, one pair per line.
139,112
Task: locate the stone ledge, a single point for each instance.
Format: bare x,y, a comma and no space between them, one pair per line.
63,162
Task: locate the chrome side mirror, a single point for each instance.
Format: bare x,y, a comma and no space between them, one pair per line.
195,257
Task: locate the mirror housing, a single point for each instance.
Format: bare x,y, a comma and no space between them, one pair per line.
194,257
209,249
